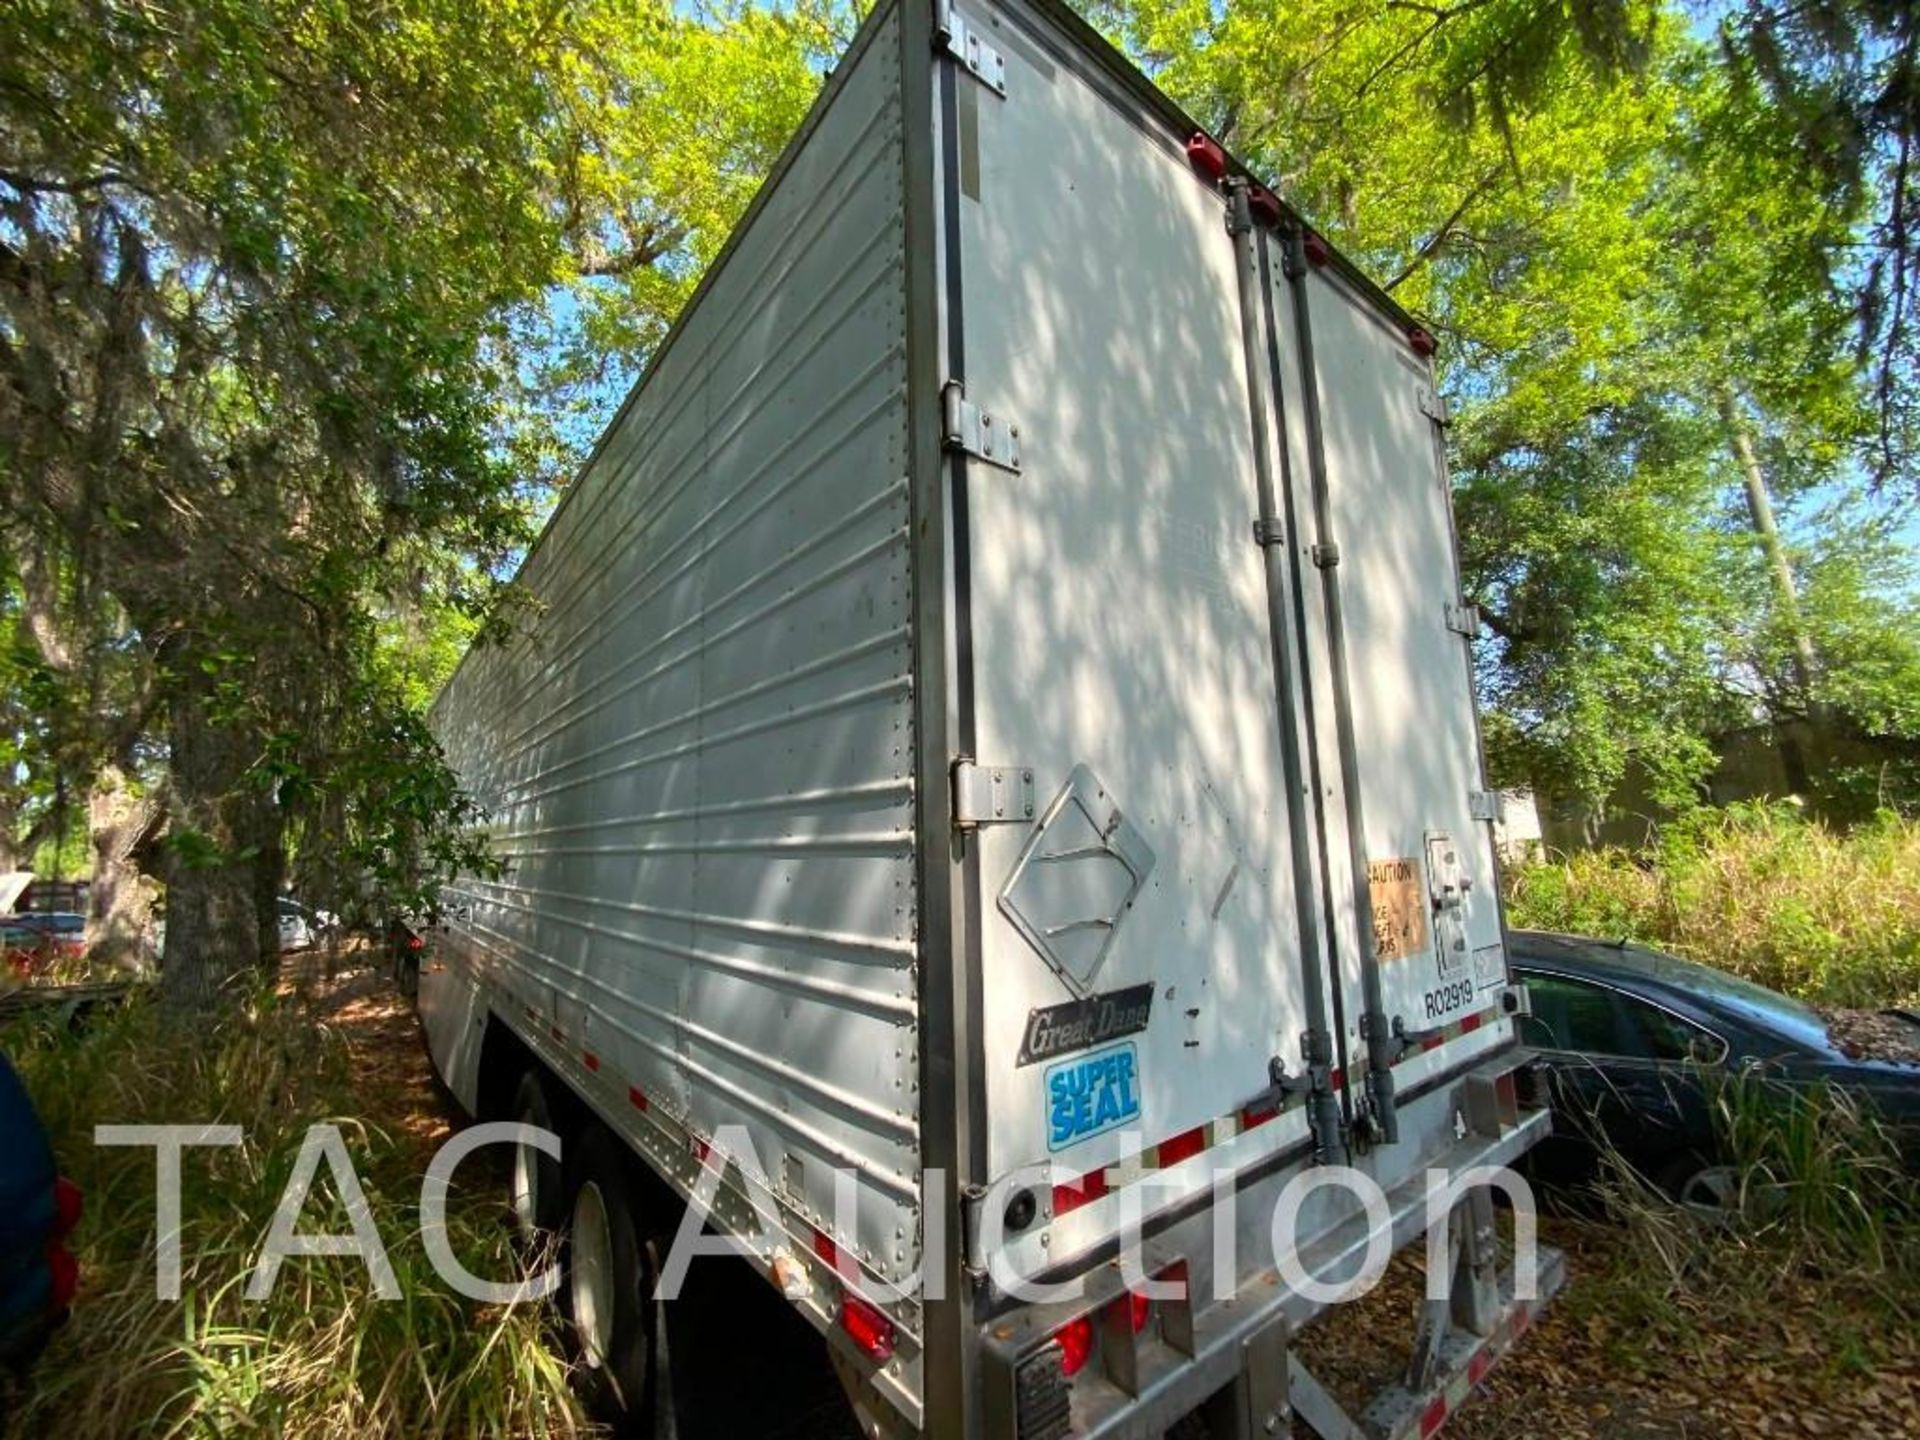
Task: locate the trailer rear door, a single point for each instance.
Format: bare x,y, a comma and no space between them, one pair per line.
1140,949
1431,883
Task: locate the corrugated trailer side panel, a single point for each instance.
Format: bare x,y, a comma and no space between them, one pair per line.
697,756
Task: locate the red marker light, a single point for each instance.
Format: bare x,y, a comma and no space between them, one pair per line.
1206,156
1141,1308
65,1272
867,1327
1422,342
414,942
1264,204
1075,1340
1318,251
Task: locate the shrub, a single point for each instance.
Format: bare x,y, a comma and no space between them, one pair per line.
1831,917
321,1356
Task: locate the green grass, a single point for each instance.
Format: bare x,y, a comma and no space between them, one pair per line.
1832,917
1808,1300
321,1357
1820,1258
1824,1190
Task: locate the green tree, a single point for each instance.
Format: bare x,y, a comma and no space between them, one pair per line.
673,115
1844,78
1605,599
304,313
1638,281
250,256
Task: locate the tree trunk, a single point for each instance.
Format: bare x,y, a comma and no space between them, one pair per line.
213,924
11,858
1760,511
266,840
119,897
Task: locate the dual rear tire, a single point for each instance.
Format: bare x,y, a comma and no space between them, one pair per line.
588,1203
609,1285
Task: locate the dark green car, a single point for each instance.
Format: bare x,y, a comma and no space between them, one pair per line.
38,1210
1632,1040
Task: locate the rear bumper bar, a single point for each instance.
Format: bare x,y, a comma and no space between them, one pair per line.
1233,1357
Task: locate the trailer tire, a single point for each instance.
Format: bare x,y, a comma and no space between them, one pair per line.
537,1183
1707,1189
608,1290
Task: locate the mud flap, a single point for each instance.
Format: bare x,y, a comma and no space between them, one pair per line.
1258,1404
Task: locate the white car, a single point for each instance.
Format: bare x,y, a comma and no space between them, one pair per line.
301,928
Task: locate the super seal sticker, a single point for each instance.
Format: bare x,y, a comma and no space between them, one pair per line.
1092,1094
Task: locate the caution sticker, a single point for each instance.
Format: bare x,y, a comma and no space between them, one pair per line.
1399,907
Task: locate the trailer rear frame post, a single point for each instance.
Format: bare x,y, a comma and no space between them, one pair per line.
1317,1044
1375,1026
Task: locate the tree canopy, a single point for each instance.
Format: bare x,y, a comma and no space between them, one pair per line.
1665,250
269,420
307,311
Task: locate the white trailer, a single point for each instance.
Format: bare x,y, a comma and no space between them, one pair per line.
996,723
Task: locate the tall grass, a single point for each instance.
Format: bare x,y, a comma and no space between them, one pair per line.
1819,1254
1823,1186
322,1357
1831,917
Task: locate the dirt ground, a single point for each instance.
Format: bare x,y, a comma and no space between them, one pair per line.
728,1320
1586,1371
1580,1375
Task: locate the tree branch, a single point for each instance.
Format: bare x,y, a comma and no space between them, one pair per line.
646,244
32,184
1435,240
1498,622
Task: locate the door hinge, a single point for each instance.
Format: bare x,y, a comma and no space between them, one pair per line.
991,795
966,427
973,1255
957,36
1486,805
1433,405
1463,618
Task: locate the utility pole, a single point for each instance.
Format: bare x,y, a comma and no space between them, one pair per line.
1760,509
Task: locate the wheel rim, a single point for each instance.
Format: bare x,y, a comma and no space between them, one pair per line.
590,1275
526,1188
1713,1191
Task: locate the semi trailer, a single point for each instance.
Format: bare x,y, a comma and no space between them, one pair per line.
987,790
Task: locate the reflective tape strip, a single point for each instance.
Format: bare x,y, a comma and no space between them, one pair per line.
1070,1194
